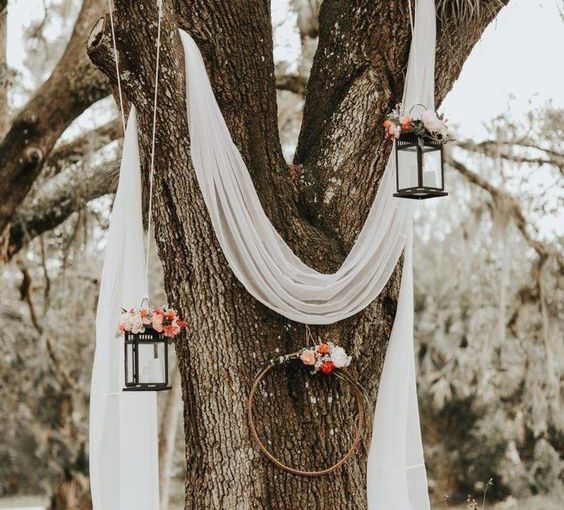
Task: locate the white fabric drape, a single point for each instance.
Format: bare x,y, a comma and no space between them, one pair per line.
396,474
123,474
123,425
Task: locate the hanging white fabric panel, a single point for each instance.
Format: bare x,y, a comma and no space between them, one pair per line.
123,425
396,474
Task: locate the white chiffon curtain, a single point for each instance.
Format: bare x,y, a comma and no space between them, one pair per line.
269,270
124,468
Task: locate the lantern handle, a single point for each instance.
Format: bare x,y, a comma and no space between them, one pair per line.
148,302
415,105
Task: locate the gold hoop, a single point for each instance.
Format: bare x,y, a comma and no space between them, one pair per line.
358,433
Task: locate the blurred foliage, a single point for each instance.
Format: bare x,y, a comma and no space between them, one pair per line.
489,319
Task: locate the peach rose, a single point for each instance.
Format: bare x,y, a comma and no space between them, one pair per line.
308,357
322,348
170,331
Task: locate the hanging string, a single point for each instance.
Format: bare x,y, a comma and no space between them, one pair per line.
410,17
111,9
153,138
154,130
414,47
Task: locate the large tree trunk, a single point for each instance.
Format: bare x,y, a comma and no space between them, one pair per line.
357,76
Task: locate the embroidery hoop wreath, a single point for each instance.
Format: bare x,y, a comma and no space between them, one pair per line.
343,376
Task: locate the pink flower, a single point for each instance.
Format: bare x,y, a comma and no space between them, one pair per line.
170,331
308,357
157,325
145,316
170,315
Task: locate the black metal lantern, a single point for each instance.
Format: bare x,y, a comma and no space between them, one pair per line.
146,361
419,167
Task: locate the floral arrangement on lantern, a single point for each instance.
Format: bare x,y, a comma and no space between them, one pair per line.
325,357
431,125
162,320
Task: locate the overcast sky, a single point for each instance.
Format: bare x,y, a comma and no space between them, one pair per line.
520,54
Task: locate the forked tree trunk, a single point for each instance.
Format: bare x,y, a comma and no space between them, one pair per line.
357,77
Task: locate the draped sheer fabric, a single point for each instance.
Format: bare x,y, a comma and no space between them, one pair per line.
274,275
124,464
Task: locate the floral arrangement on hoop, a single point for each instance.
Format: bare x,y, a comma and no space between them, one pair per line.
430,125
162,320
325,357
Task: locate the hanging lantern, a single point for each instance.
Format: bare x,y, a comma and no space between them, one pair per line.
146,361
419,152
419,167
147,335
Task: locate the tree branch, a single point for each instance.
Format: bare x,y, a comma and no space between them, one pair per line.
74,150
73,86
236,44
503,150
60,197
291,82
506,203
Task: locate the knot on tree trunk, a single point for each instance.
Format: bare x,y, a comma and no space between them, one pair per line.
32,156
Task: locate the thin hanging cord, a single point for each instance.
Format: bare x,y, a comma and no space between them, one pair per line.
414,46
154,131
410,17
153,137
111,9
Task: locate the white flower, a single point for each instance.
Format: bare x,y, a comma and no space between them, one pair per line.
126,321
137,325
432,122
443,131
429,117
339,357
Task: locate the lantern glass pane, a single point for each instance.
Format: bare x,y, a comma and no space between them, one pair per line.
432,169
407,164
151,363
130,364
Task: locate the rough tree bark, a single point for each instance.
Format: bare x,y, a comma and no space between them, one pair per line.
357,76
